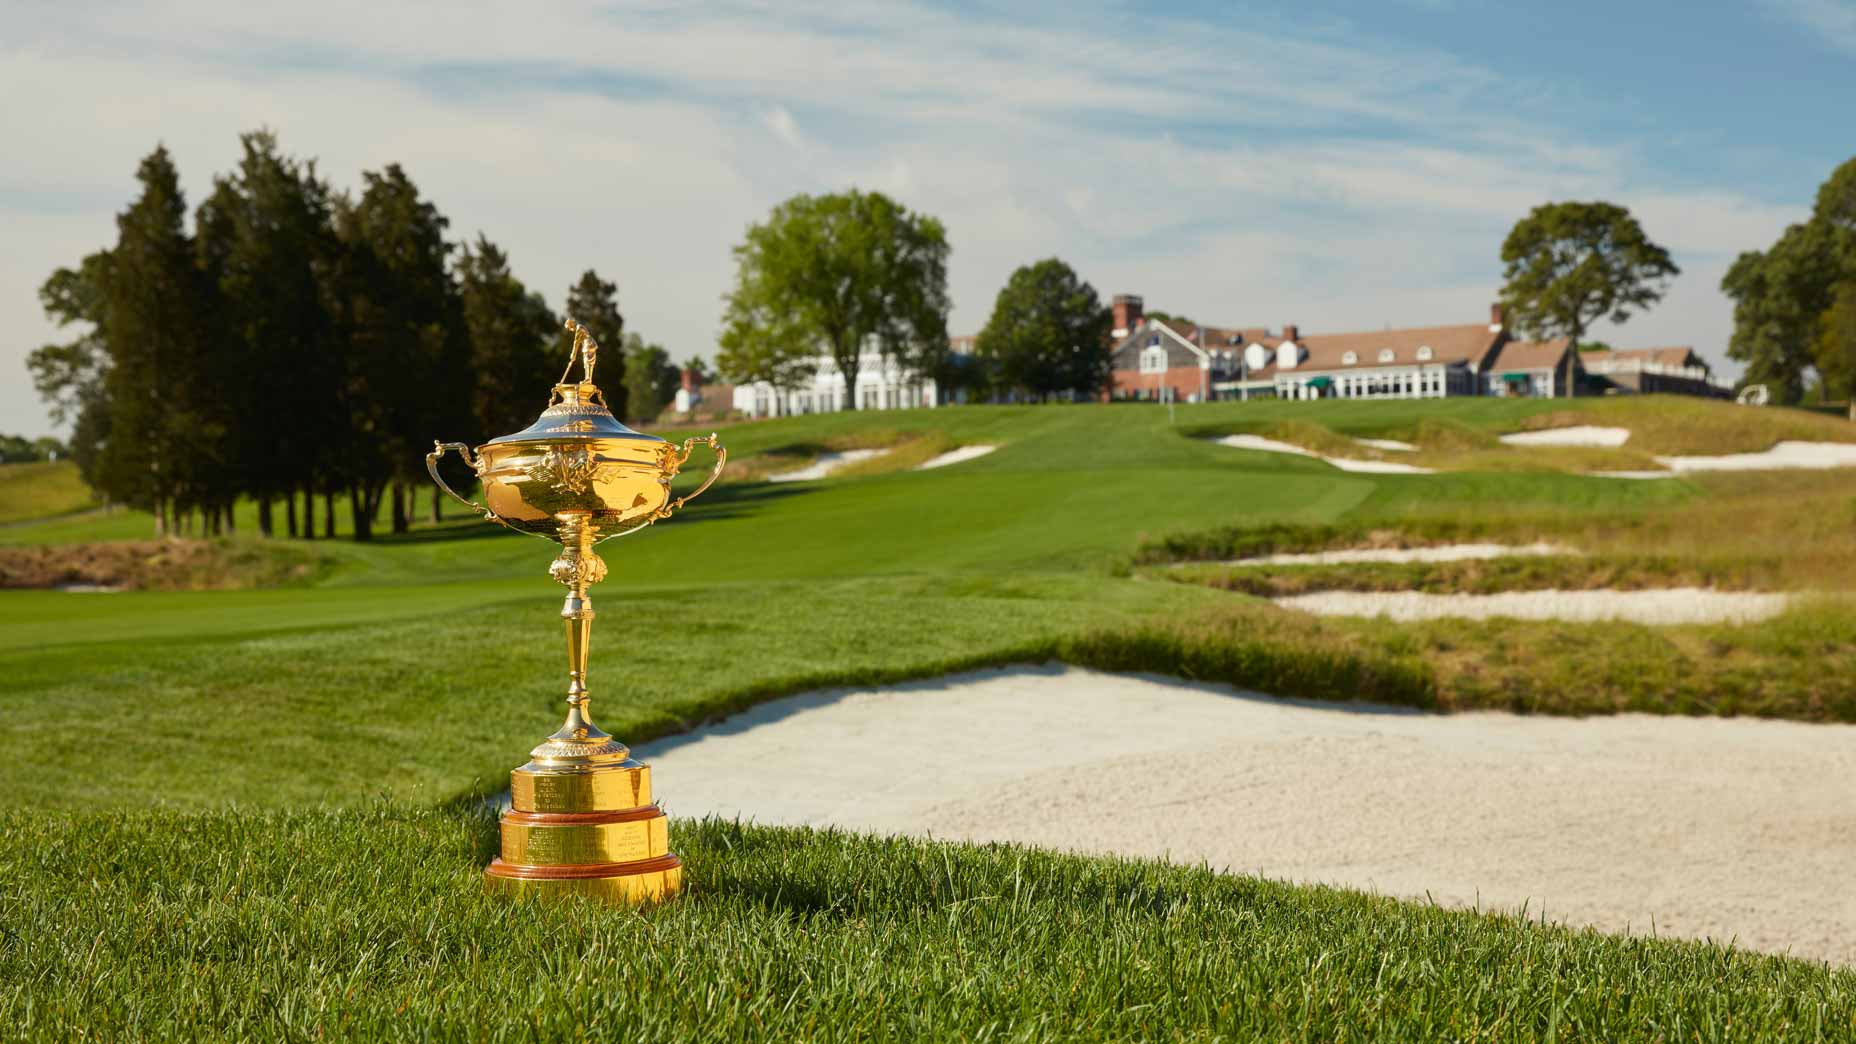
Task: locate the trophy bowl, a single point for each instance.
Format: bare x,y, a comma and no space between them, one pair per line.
582,819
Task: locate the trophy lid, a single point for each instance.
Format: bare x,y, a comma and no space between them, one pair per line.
575,413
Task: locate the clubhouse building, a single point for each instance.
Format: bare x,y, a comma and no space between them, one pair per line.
1159,358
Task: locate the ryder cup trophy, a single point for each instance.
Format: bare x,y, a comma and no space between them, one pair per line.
582,819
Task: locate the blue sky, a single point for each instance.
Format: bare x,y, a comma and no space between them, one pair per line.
1338,166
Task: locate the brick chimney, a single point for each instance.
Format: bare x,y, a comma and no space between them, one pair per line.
1292,332
1497,316
691,382
1128,309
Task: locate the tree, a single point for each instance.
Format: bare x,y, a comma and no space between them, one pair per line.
1780,296
267,242
152,297
654,379
839,273
70,377
408,355
1048,332
512,342
1567,265
594,304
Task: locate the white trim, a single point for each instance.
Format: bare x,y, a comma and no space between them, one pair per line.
1174,334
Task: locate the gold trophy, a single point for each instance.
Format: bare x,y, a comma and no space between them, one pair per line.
582,819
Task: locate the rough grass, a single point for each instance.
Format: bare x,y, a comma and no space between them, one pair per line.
1444,444
1764,530
1675,425
371,924
42,490
163,565
1799,665
1486,576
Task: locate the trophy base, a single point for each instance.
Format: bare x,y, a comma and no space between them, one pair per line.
586,829
630,884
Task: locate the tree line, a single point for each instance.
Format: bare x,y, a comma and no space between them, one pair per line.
301,346
1795,301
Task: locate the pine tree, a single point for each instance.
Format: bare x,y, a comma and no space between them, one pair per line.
513,337
594,303
408,372
267,241
151,326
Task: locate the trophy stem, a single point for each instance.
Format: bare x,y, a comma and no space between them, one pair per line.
578,740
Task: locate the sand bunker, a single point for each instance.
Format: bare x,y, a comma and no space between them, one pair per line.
1578,435
825,465
1388,444
1382,467
956,456
1676,605
1782,455
1728,829
1445,553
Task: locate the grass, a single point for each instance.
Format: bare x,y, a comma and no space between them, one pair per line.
42,490
1750,530
246,813
1800,665
369,923
1675,425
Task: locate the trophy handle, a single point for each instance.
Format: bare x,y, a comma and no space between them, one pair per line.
431,466
721,458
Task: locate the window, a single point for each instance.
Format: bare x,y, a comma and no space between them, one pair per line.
1349,358
1387,355
1153,358
1424,353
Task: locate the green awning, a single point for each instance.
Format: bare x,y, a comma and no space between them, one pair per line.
1517,378
1321,382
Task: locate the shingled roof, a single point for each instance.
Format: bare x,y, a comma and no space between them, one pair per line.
1531,355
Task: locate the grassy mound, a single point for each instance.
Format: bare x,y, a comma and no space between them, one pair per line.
42,490
1676,425
161,565
370,924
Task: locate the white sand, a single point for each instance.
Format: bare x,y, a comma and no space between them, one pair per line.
956,456
1258,442
1378,467
825,465
1710,828
1388,444
1782,455
1578,435
1444,553
1676,605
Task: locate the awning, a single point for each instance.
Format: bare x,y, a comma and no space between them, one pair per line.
1321,382
1517,378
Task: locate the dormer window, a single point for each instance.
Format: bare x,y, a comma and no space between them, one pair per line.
1424,353
1349,358
1387,355
1153,358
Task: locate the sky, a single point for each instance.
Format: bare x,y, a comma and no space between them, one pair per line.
1340,166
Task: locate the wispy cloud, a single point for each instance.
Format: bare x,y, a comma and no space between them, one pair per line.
1237,170
1833,22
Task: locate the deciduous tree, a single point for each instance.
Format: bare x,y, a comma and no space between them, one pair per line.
1568,265
837,273
653,382
1048,332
